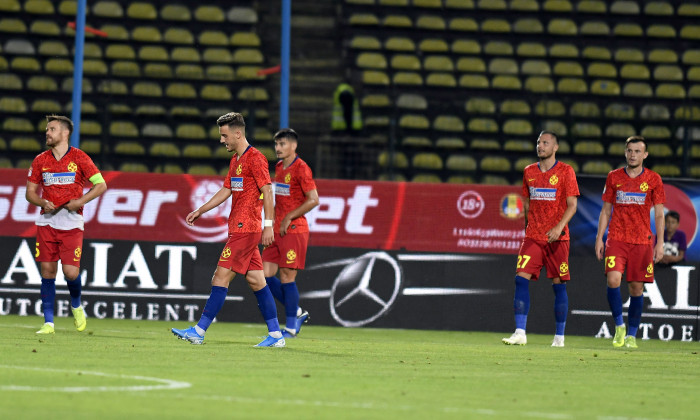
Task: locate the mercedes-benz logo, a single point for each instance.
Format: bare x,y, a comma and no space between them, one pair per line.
375,279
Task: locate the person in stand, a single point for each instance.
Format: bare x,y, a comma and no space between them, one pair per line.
675,243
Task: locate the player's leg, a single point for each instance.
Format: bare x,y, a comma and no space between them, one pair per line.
48,295
291,301
640,270
615,263
271,258
557,263
47,255
268,309
71,252
528,267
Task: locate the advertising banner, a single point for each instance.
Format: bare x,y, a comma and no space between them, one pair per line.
348,287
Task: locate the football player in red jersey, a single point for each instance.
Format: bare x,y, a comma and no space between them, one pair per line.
631,191
61,171
550,198
248,178
295,195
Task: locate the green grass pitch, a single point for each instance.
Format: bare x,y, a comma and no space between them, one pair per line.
119,369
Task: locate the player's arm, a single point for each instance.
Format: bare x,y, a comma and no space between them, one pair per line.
571,204
222,195
99,186
32,195
660,226
603,221
526,208
269,207
305,207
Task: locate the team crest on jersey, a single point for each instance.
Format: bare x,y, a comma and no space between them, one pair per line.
291,256
650,268
236,183
287,178
226,253
553,180
78,252
563,268
72,167
644,186
239,170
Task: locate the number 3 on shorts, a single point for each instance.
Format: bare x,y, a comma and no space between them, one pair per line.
610,261
522,261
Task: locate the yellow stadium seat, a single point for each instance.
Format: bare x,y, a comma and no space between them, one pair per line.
585,130
427,160
666,169
670,91
503,66
525,5
405,100
628,29
186,54
518,127
146,34
433,45
556,126
209,13
371,60
635,71
495,164
518,146
361,42
629,55
498,48
637,89
178,36
661,31
550,108
400,62
397,21
197,151
596,167
426,178
668,72
600,69
463,24
129,148
202,169
492,4
414,122
151,89
466,47
462,163
528,26
399,161
110,9
374,77
477,105
535,67
660,55
482,125
514,106
531,49
407,78
564,51
449,123
433,23
471,65
589,147
620,130
158,70
568,68
139,10
416,141
440,80
654,112
484,144
399,44
572,85
605,87
438,63
597,53
506,82
495,25
561,26
619,111
24,144
216,38
539,84
656,132
450,143
474,81
584,109
689,31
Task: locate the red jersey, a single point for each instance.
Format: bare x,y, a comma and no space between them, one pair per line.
632,200
247,174
547,192
62,180
291,185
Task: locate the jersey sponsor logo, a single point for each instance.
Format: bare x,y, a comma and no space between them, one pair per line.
644,186
545,194
72,167
553,180
624,197
236,183
282,189
58,178
288,178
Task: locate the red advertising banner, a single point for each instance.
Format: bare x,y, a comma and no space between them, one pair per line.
372,215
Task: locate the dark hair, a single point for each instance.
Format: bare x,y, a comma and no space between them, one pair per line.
551,133
674,214
64,121
636,139
232,119
286,133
